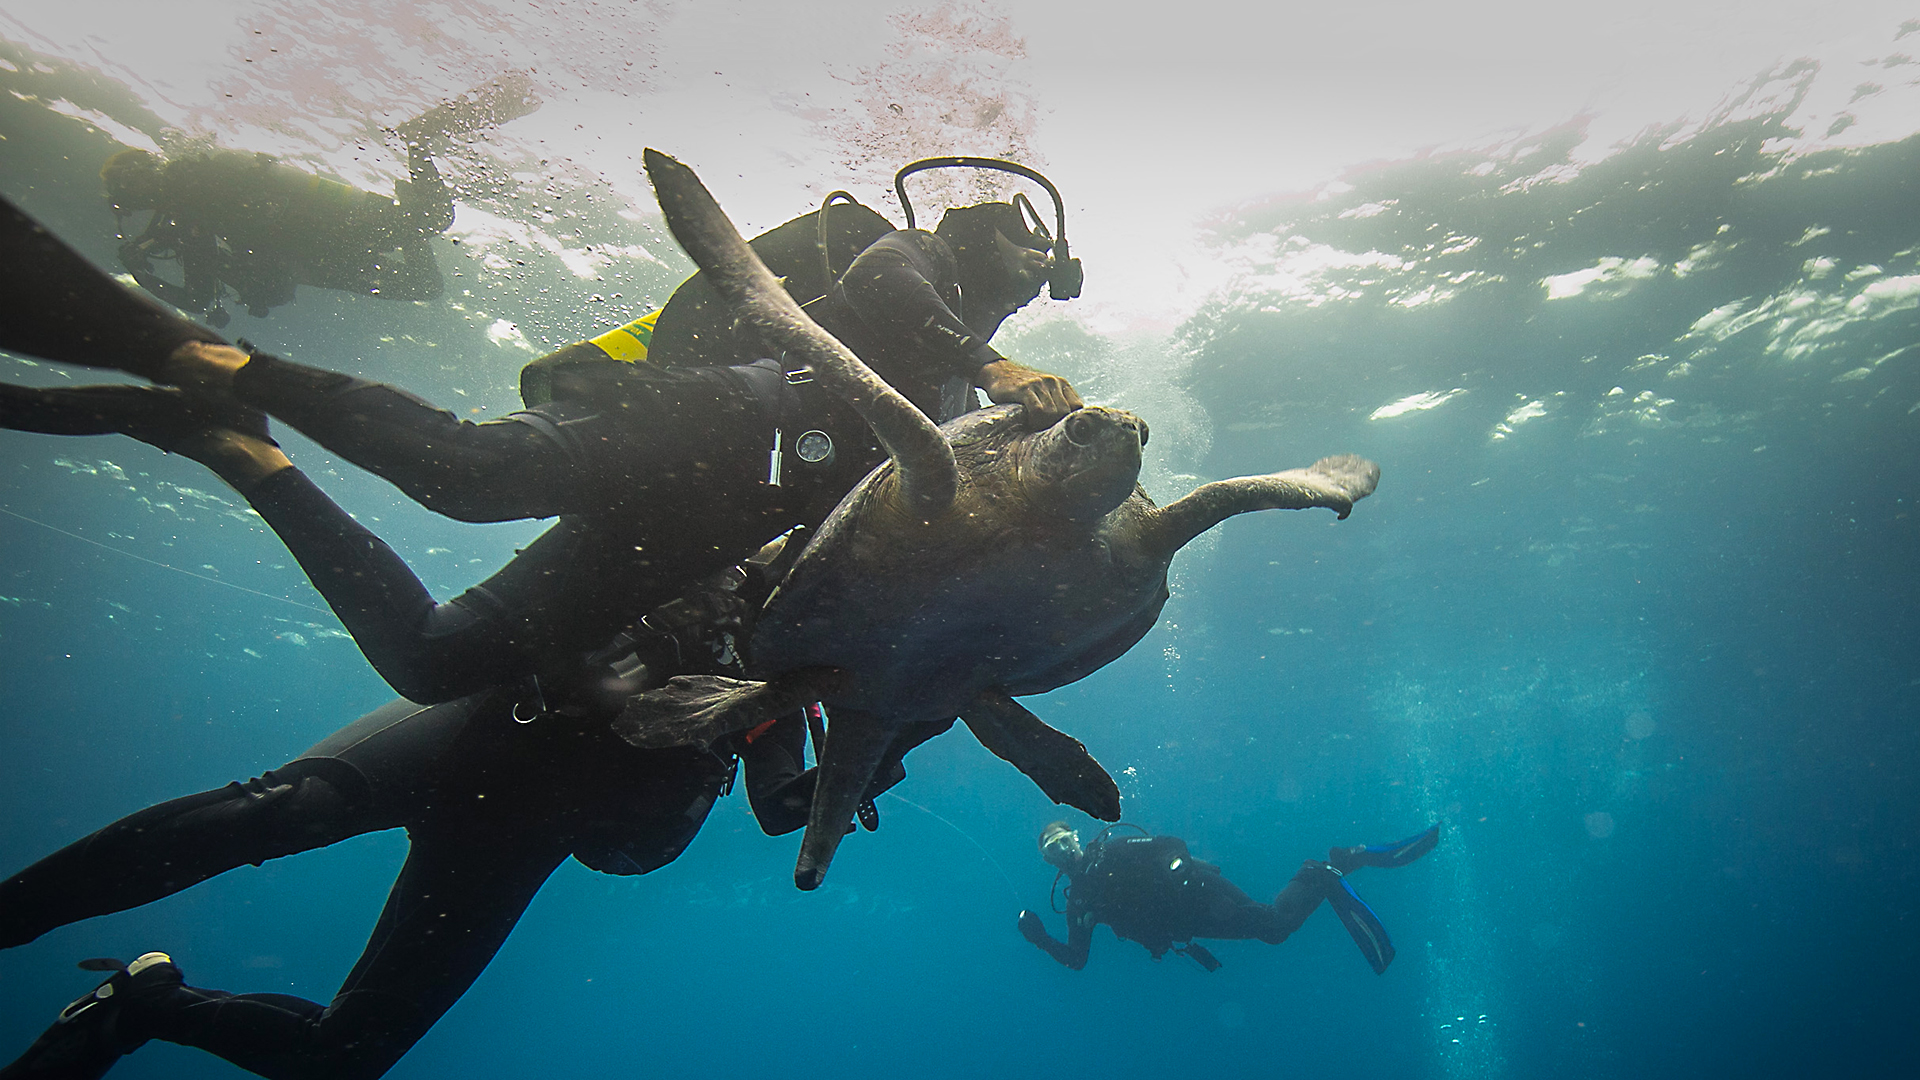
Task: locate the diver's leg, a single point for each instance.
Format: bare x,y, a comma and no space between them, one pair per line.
425,198
425,650
378,772
456,900
166,848
1224,910
498,470
774,760
1310,885
55,304
1316,881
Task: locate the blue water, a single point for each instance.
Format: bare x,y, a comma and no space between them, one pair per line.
1633,612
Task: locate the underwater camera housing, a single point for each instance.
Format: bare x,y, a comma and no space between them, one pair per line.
1066,278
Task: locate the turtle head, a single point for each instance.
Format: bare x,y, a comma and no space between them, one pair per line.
1087,464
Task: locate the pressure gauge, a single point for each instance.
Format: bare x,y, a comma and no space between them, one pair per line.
814,448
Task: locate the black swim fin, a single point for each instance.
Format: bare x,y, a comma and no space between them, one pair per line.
1363,925
82,1043
1398,853
56,305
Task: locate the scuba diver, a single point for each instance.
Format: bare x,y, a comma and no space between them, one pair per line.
563,784
492,802
247,225
1150,889
660,474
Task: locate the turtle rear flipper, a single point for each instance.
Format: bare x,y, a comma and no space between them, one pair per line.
856,744
1056,761
698,710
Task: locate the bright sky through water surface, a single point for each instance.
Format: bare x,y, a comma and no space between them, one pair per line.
1152,125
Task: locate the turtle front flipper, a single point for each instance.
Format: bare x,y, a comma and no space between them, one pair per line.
1052,759
856,744
1335,483
698,710
923,461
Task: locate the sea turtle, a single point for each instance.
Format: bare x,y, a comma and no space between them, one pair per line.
982,562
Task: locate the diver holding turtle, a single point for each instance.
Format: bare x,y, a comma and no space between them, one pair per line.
1151,889
557,788
249,226
620,456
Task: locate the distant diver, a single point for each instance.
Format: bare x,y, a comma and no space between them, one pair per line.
1151,889
661,474
247,225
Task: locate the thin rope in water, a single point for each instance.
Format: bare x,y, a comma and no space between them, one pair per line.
983,851
161,565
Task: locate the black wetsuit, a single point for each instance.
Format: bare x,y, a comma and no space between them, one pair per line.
491,807
250,223
1150,889
657,471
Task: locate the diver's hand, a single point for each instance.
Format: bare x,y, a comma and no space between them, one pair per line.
1034,930
1046,397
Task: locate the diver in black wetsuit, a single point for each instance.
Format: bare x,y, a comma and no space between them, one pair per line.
562,785
659,474
491,806
1150,889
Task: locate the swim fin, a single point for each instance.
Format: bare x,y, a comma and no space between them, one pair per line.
82,1044
56,305
1363,925
1399,853
508,97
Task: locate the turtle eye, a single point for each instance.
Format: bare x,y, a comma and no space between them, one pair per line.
1143,433
1082,427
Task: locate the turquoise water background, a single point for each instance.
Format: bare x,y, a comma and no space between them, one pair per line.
1633,612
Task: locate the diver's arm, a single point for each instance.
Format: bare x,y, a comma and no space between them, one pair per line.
1073,952
891,286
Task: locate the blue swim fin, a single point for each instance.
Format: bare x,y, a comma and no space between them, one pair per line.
1398,853
1364,925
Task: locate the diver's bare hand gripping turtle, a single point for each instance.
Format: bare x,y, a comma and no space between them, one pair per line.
983,562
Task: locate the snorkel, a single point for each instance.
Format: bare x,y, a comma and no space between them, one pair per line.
1066,277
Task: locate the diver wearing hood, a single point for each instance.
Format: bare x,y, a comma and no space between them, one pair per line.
659,474
1151,889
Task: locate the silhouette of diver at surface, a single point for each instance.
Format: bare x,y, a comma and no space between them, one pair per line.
247,225
1151,889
